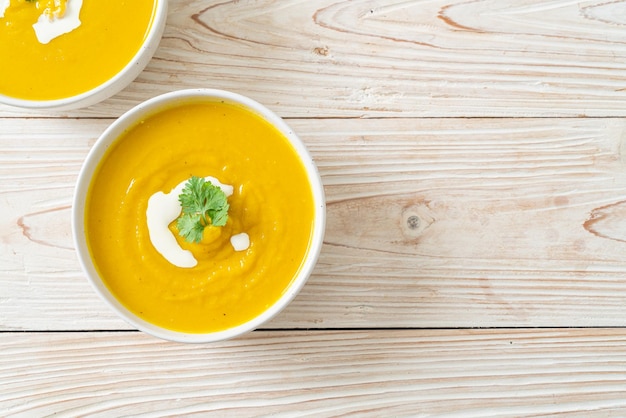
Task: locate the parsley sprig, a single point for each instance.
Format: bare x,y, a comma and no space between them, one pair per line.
203,204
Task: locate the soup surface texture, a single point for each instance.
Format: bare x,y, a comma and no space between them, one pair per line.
272,202
110,34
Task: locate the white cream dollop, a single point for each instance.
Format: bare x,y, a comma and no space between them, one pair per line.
163,208
4,5
240,242
49,27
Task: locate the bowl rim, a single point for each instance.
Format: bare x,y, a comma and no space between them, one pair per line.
114,84
128,120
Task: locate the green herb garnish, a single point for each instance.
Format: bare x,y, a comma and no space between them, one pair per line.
203,204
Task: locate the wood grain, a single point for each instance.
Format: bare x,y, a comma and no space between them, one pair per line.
377,59
431,223
455,373
473,157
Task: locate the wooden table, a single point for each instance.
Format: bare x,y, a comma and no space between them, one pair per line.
473,155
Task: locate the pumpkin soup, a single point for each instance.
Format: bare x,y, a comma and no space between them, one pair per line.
270,209
58,49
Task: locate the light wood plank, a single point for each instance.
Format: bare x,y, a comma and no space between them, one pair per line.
456,373
411,58
520,223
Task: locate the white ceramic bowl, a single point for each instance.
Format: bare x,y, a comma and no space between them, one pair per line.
129,119
112,86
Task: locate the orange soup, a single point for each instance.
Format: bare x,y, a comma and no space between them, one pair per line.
111,32
272,202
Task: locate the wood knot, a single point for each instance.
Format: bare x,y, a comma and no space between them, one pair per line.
323,51
413,222
416,219
608,221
